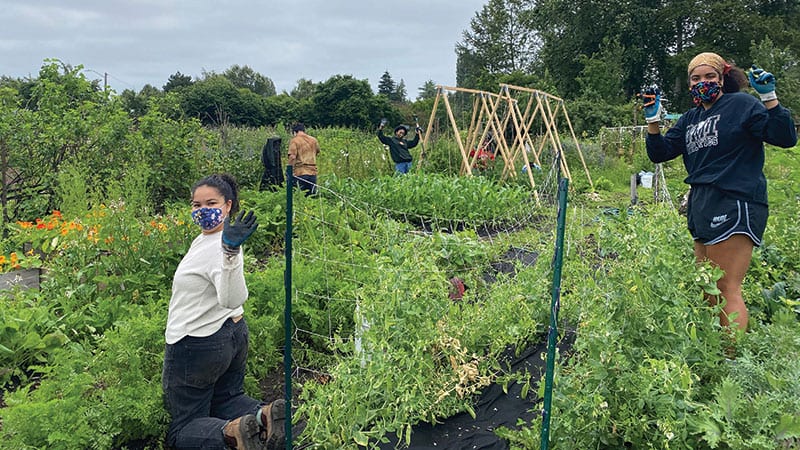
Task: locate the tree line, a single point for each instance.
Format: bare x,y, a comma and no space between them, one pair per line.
598,54
241,96
64,136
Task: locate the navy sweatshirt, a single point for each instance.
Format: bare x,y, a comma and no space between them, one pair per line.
724,145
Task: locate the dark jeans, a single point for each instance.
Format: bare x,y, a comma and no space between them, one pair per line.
203,383
306,183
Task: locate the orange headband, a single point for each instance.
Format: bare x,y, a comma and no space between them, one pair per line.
710,59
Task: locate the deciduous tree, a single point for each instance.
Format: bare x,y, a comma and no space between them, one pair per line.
247,78
501,39
177,80
345,101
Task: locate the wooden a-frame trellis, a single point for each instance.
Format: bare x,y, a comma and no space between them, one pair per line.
484,119
495,113
539,104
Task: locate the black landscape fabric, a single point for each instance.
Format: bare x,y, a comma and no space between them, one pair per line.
493,409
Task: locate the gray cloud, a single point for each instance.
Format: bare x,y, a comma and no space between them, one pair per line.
138,42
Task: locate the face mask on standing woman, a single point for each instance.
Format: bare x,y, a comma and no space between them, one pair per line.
705,92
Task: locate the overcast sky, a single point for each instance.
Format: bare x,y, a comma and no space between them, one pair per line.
138,42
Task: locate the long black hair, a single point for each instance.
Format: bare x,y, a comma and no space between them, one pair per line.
734,80
225,184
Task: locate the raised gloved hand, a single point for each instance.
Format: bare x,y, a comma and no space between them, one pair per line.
763,82
651,104
234,233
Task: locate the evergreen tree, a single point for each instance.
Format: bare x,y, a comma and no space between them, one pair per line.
387,86
400,93
427,90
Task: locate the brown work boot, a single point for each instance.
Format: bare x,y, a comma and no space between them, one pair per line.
243,434
273,421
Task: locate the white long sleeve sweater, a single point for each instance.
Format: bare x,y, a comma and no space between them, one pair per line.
207,289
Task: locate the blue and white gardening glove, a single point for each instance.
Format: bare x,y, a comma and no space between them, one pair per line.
651,104
234,233
763,82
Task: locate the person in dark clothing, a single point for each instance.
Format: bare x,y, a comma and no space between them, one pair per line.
399,146
722,141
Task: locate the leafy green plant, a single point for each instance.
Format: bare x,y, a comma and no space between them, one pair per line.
95,398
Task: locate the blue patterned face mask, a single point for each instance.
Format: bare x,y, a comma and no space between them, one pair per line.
705,92
207,218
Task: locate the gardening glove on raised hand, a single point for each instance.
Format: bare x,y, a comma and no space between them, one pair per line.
651,98
234,233
763,82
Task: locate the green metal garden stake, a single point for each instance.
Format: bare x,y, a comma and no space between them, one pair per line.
287,310
555,304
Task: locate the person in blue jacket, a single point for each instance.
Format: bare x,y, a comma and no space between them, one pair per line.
722,141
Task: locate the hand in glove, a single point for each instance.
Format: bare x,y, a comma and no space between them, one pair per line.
763,82
651,98
234,233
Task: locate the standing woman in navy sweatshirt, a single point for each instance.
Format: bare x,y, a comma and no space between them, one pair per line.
722,141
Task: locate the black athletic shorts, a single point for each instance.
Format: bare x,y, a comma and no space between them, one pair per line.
714,215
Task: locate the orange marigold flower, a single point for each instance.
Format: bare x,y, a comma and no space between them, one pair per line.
56,213
14,257
2,259
40,226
